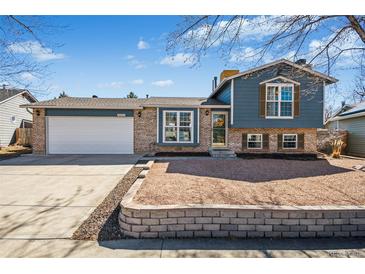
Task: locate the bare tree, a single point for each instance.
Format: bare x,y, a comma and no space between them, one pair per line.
322,40
358,92
26,49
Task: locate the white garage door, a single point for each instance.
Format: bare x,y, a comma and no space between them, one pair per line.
90,135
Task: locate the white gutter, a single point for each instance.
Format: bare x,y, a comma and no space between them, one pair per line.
338,118
79,107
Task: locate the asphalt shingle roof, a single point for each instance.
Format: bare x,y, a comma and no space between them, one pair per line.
7,93
356,109
123,103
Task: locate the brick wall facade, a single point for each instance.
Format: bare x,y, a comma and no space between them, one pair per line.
39,132
145,133
235,139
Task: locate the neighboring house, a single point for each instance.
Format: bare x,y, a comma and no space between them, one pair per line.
11,115
272,108
352,120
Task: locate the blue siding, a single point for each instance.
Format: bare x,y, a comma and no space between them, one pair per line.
246,102
195,127
225,94
88,112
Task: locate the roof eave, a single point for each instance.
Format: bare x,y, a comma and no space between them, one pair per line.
329,79
78,107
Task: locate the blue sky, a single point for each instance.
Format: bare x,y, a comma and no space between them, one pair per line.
100,55
109,56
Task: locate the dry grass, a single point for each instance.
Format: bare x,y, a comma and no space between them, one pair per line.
253,182
14,150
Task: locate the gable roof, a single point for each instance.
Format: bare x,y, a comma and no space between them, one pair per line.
8,93
126,103
360,107
357,110
329,79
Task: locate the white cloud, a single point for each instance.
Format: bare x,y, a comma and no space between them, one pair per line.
178,60
249,29
137,64
142,44
129,57
27,76
36,50
137,82
163,83
111,85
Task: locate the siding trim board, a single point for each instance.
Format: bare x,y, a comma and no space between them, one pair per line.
89,112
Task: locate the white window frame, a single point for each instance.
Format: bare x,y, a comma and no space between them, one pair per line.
296,141
248,138
279,101
178,126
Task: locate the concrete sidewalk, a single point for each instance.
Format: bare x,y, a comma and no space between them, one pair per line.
255,248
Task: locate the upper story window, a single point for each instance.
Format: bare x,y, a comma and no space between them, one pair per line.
279,100
178,126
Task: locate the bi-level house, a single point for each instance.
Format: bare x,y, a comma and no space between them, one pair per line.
276,107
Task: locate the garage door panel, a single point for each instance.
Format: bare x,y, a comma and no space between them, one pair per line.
90,135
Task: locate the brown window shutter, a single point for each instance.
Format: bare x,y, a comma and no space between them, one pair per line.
262,100
296,100
265,141
280,141
244,140
301,141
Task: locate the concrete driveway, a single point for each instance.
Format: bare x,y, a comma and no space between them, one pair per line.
48,197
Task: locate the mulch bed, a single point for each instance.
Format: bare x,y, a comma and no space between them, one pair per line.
181,154
284,156
102,224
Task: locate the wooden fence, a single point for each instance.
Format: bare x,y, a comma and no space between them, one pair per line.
24,136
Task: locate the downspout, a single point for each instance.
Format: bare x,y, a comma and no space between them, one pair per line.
232,102
27,109
324,96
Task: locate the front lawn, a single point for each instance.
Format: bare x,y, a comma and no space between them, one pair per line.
254,182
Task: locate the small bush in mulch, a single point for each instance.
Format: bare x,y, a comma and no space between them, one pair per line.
285,156
102,224
182,154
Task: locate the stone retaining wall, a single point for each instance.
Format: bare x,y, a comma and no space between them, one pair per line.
188,221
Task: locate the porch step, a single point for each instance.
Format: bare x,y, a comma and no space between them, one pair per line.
222,153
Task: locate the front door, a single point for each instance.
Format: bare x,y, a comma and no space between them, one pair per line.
219,129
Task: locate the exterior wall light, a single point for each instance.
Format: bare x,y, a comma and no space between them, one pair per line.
207,112
139,113
38,112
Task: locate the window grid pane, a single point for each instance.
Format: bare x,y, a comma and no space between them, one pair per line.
178,126
289,141
286,109
279,101
254,141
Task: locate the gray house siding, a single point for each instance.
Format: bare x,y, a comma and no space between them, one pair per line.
8,109
356,138
195,127
246,101
225,94
88,112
